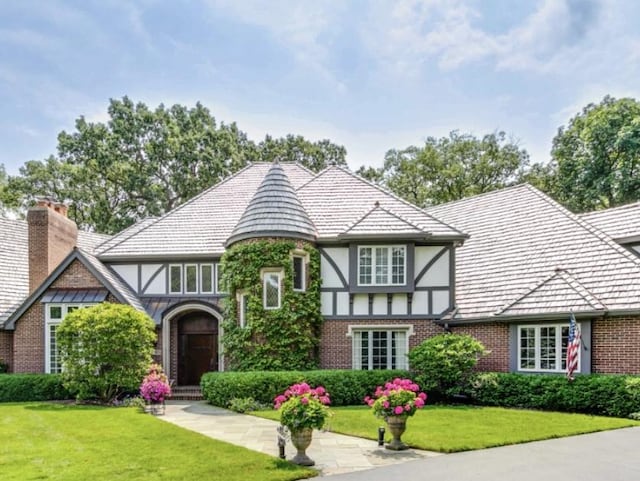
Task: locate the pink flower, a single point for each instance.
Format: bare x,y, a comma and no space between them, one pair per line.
419,402
422,396
398,410
386,404
407,407
304,400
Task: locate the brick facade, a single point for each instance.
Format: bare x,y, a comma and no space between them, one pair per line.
29,334
336,346
615,345
495,338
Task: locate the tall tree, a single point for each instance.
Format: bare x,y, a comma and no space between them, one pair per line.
598,156
144,162
450,168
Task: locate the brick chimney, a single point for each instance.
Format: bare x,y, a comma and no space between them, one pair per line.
51,237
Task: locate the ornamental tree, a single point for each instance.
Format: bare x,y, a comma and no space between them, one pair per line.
105,350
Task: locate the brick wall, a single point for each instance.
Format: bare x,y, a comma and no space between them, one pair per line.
495,338
336,346
6,348
615,345
28,338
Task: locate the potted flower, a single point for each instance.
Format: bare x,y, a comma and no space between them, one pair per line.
301,410
155,388
394,403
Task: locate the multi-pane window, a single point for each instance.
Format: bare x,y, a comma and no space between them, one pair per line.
54,315
298,273
380,349
381,265
272,294
175,279
191,278
206,278
543,347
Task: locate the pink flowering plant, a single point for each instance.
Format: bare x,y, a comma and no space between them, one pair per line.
400,397
301,406
155,386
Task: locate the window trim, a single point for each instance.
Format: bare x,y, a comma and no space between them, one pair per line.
354,331
49,322
170,278
185,283
304,259
389,248
241,296
212,277
537,346
264,273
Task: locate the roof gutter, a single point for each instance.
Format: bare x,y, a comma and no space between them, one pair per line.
549,316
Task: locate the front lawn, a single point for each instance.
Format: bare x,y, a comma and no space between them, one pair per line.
461,428
68,442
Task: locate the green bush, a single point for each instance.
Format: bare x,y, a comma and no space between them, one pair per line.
345,387
105,350
4,367
444,363
32,387
245,405
608,395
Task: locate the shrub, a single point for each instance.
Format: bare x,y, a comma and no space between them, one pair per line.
4,367
347,387
444,363
608,395
105,350
245,405
32,387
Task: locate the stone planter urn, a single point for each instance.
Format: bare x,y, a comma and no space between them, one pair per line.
397,426
301,439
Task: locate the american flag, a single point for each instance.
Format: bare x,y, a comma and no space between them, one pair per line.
573,347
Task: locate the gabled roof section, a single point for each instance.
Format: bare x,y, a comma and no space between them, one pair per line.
381,222
558,293
274,211
621,223
201,226
519,236
110,281
336,199
14,262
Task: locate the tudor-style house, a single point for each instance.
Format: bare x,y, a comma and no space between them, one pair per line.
508,267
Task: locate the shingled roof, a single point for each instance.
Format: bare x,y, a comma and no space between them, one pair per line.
622,223
14,261
274,211
334,201
530,257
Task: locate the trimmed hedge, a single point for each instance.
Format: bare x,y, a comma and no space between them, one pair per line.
345,387
608,395
32,387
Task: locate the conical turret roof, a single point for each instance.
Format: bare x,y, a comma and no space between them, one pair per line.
274,211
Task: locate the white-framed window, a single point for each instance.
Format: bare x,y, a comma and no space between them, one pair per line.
272,289
191,278
54,314
175,278
299,272
243,307
382,265
543,347
380,347
207,275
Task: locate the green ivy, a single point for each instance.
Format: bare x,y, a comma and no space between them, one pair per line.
278,339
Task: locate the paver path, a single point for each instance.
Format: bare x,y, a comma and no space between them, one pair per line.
333,453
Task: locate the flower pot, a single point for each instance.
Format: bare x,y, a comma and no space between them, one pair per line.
301,438
397,425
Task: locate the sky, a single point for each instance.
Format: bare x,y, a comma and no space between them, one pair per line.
369,75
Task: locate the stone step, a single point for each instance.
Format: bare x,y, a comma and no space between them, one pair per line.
186,393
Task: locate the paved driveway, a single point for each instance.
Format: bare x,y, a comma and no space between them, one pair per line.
605,456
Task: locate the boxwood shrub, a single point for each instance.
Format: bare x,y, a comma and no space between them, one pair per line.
608,395
31,387
346,387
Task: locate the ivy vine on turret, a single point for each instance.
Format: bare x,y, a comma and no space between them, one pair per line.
286,338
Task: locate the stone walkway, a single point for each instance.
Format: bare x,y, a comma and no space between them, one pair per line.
333,453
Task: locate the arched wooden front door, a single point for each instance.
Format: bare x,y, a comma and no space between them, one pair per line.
197,347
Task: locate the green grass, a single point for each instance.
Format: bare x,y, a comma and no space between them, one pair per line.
66,442
461,428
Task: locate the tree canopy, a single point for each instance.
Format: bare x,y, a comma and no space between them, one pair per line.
596,157
144,162
450,168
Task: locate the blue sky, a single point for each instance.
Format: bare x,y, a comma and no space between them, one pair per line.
370,75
